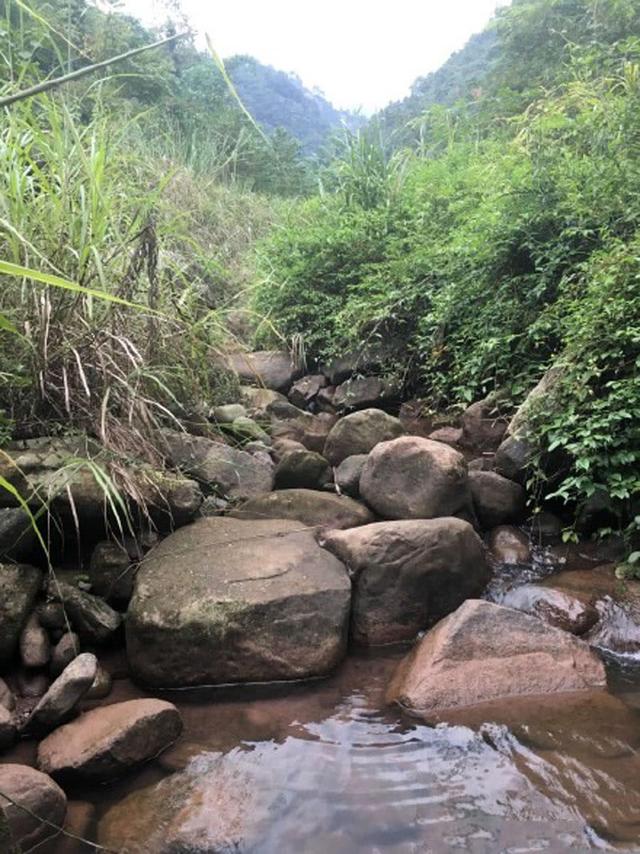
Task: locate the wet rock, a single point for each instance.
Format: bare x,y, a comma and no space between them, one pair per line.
269,368
91,617
308,506
228,471
302,470
447,435
51,615
303,392
112,570
484,652
31,685
104,743
509,545
227,414
40,798
7,700
496,499
359,433
414,478
258,400
347,475
35,648
64,694
513,458
67,648
483,427
408,574
252,601
17,537
554,607
19,586
364,392
101,687
8,731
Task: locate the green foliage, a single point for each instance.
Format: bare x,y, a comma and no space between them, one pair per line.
506,242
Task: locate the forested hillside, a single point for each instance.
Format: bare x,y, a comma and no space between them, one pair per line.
503,241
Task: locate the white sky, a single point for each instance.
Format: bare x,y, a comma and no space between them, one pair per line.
361,53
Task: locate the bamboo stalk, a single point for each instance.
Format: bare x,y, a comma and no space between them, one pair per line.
46,85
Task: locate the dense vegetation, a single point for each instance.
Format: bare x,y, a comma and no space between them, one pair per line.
503,241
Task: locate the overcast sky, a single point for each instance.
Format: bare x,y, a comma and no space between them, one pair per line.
360,53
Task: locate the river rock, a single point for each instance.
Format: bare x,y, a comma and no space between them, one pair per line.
483,427
309,506
364,392
408,574
258,400
228,471
17,536
35,648
485,652
513,458
447,435
271,369
51,616
303,392
245,429
38,794
496,500
67,648
90,616
509,545
19,586
112,570
101,686
104,743
302,470
347,475
554,607
64,694
226,600
359,433
8,729
415,478
7,700
288,422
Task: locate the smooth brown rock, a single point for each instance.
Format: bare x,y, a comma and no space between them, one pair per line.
554,607
509,545
414,478
313,508
64,694
484,652
35,648
102,744
408,574
40,797
359,433
226,600
496,500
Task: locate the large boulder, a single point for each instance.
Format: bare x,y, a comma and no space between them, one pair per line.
407,575
309,506
38,809
486,652
302,470
64,694
496,500
220,468
363,392
19,586
272,369
553,606
226,600
105,742
359,433
415,478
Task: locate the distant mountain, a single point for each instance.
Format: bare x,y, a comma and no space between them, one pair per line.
279,100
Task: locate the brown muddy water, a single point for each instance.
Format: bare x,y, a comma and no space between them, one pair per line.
326,767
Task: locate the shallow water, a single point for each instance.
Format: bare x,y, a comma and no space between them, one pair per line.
325,766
